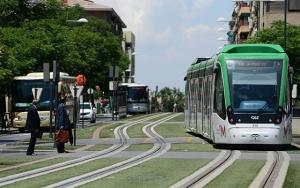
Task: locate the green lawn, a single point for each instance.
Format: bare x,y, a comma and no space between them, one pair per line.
154,173
108,132
42,181
99,147
136,131
137,117
32,166
50,147
193,148
179,118
240,174
139,147
87,132
292,179
12,161
172,130
158,118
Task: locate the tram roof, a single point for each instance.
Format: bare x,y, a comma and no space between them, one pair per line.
252,48
133,85
40,75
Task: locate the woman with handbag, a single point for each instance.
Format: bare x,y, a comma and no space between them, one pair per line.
62,126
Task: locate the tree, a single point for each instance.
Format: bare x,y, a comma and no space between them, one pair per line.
39,34
169,97
275,35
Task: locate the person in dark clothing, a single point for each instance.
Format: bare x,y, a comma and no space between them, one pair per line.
33,124
62,122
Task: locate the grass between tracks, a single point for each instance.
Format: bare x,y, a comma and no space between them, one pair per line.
99,147
136,131
108,132
292,178
29,167
172,130
61,175
12,161
132,147
139,147
179,118
193,148
240,174
154,173
50,147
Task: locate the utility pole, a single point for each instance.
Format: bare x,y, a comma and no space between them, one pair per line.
285,24
75,113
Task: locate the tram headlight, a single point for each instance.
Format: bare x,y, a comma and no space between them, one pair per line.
230,115
279,115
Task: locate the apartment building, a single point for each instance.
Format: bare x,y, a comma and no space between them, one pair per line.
100,11
251,16
128,44
239,26
266,12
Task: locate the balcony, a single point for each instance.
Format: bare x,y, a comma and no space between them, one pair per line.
244,29
244,10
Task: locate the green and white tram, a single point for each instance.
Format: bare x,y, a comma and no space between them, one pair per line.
241,96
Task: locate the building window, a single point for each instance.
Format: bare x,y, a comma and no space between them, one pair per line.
294,5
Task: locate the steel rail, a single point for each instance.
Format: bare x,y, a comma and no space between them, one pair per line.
270,177
105,153
228,155
159,148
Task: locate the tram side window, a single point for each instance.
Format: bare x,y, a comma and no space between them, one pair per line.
219,100
187,95
200,95
288,95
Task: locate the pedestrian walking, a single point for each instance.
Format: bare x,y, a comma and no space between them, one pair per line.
175,107
33,125
62,124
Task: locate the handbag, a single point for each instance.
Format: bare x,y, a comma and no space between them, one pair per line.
38,133
61,136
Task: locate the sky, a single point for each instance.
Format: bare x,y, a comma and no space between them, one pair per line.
170,34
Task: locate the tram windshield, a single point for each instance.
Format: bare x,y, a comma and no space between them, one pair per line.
22,94
137,94
254,85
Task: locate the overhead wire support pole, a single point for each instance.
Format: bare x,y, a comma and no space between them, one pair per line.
285,24
75,113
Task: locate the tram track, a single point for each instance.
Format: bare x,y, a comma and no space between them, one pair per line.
116,148
159,148
204,175
274,171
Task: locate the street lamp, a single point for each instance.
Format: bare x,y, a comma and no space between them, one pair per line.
75,113
285,24
81,20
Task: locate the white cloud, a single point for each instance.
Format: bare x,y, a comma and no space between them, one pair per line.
196,30
168,32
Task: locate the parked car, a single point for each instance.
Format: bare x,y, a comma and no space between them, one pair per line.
87,111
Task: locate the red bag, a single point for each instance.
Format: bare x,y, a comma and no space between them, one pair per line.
61,136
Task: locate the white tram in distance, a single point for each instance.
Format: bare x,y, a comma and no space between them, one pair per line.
137,97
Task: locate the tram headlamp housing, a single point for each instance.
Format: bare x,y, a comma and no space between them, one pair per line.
278,118
231,118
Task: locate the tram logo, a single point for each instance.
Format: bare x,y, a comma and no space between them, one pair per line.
222,130
286,131
255,117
